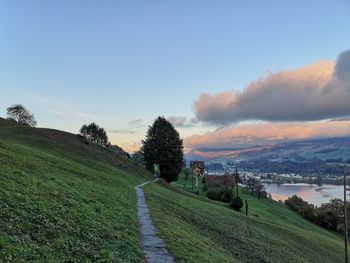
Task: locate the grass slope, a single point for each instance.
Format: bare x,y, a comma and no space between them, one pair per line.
199,230
65,201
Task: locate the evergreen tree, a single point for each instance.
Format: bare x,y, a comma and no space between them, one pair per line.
163,146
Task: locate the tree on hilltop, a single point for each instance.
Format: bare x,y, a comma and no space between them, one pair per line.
94,133
163,146
21,115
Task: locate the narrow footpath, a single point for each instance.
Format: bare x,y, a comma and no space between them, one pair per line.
153,246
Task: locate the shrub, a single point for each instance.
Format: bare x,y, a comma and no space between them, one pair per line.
237,203
328,215
220,194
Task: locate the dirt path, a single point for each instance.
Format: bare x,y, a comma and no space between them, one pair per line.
153,247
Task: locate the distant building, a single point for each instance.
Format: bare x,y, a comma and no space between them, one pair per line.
197,164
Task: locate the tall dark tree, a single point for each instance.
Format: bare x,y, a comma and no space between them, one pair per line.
95,133
20,114
163,146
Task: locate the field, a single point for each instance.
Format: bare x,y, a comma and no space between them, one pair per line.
198,230
65,201
62,200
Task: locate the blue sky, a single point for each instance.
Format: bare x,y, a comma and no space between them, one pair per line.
122,63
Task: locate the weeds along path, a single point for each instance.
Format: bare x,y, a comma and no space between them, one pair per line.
153,246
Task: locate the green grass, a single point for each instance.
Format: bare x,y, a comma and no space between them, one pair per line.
65,201
199,230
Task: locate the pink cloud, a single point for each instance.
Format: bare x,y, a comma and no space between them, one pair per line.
314,92
267,133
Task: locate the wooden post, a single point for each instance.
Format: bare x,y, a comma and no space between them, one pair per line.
237,179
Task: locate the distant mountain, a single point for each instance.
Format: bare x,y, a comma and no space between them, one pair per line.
305,156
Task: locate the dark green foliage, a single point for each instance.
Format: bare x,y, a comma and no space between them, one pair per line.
95,133
21,115
163,146
301,207
220,194
237,203
256,188
329,215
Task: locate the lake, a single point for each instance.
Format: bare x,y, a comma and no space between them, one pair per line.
313,194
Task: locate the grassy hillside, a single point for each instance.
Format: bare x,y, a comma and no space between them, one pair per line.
65,201
198,230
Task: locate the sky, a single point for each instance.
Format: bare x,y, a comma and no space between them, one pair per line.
232,65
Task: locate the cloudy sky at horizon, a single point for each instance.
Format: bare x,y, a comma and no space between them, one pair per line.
225,74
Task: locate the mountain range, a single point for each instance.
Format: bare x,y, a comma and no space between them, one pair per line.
305,156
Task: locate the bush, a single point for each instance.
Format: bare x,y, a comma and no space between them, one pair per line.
328,215
237,203
220,194
302,207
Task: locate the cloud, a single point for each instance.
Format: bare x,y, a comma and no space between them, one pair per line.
123,131
268,133
314,92
65,110
137,123
182,122
132,146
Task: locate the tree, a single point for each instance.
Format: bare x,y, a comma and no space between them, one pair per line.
96,134
251,185
260,190
256,187
163,146
20,114
237,179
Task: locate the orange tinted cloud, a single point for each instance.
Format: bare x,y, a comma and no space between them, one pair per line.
266,133
314,92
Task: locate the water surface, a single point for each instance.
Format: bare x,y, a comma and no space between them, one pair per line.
313,194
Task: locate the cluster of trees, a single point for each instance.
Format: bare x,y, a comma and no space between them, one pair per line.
220,194
162,146
223,190
329,215
21,115
94,133
91,132
256,188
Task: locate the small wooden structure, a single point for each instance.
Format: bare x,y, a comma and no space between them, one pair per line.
197,167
